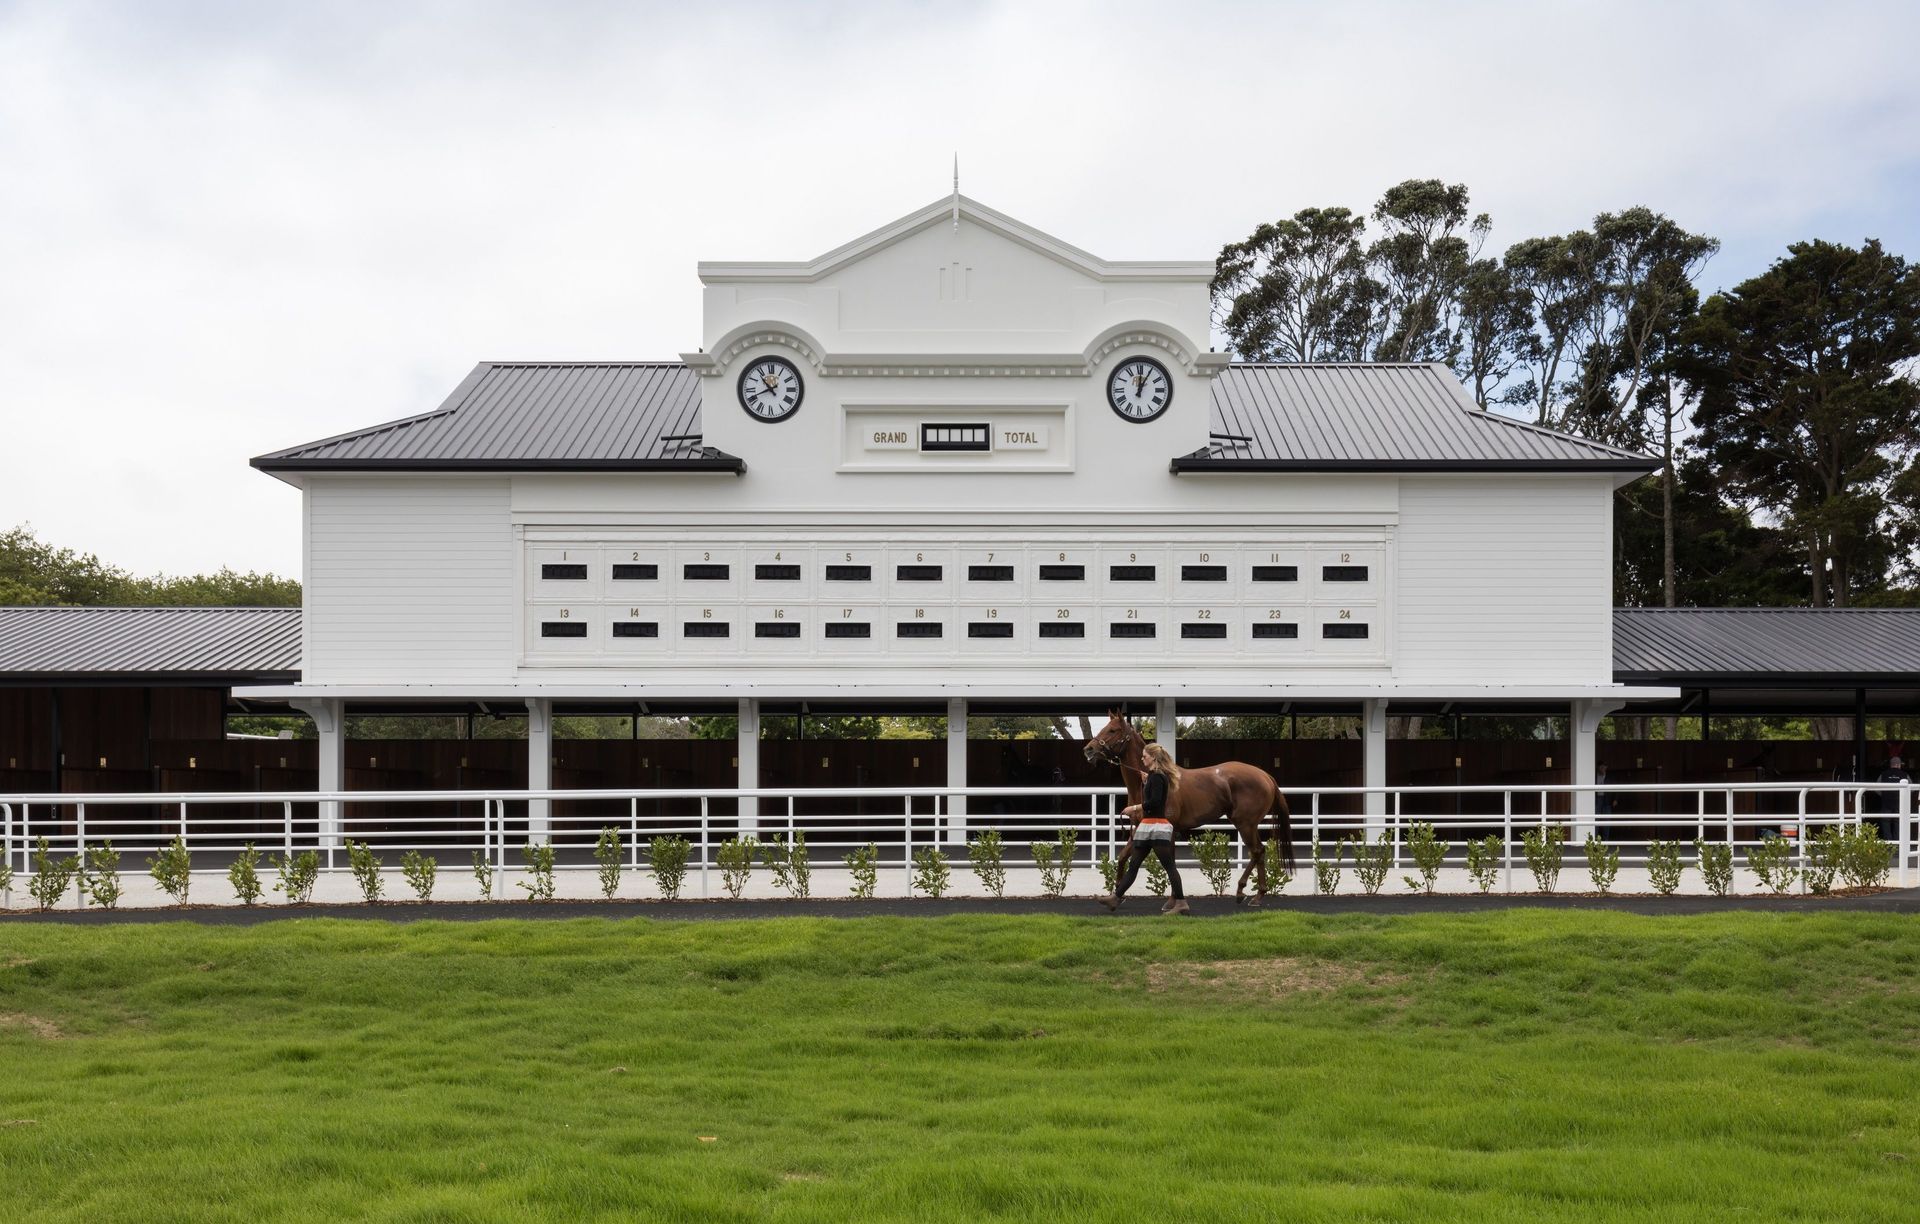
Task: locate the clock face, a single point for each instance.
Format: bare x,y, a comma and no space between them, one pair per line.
1140,389
770,389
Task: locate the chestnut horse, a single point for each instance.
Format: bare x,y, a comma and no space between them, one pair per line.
1244,794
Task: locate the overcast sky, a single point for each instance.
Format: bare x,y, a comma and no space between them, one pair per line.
231,227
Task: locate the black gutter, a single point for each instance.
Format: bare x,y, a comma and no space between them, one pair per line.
1188,464
69,679
1755,679
729,464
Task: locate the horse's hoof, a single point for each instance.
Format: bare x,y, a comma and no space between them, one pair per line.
1254,903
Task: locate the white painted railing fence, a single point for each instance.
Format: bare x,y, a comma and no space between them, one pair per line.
496,823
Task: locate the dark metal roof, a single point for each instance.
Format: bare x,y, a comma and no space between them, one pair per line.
1377,417
607,416
149,644
1878,646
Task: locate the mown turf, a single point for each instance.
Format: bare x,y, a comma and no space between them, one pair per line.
1521,1065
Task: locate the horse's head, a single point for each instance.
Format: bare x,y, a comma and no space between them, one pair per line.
1109,747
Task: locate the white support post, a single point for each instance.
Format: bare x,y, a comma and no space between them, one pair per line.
539,768
1373,771
329,720
748,751
957,769
1584,731
1166,728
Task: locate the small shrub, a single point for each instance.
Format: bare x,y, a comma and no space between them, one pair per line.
1157,881
930,872
172,870
1109,872
6,882
50,877
1603,864
1428,852
667,858
1279,875
1213,850
100,876
736,863
418,870
1716,865
1326,872
483,874
1772,862
1544,855
791,867
610,854
1055,861
1371,862
538,857
864,863
1664,866
1865,860
244,875
1483,861
365,866
298,873
987,853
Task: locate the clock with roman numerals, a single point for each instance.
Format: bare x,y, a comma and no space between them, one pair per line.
770,389
1140,389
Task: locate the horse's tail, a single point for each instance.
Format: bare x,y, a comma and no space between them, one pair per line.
1282,822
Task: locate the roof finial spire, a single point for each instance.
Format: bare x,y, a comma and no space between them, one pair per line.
956,191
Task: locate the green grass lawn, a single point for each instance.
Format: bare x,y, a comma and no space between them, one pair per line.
1516,1065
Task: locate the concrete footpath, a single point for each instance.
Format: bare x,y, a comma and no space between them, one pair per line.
1891,901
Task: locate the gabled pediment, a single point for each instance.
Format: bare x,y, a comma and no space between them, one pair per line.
947,211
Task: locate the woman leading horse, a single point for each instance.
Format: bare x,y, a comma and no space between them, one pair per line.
1154,832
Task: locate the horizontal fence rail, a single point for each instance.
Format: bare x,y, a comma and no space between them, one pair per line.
496,826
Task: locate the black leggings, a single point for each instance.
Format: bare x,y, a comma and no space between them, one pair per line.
1137,854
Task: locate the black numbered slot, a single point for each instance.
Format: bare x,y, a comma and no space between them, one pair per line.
1203,573
776,629
989,573
1063,573
918,629
849,629
565,628
918,573
1343,629
956,438
1276,573
1276,629
1130,573
563,573
777,573
705,573
1203,629
1343,573
849,573
1132,629
989,629
1062,629
636,629
706,629
635,573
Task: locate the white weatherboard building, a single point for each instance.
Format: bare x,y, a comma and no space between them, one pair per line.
955,460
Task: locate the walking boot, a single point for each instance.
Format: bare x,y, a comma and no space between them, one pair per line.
1111,901
1177,906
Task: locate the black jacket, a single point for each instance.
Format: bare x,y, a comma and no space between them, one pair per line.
1154,802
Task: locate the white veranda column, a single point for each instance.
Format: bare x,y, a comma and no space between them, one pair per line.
1584,731
1165,728
747,752
1373,772
957,768
329,720
539,767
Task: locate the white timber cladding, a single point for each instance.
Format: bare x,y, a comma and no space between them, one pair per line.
662,601
409,578
1505,579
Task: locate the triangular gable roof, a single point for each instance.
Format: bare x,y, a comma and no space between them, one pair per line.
942,212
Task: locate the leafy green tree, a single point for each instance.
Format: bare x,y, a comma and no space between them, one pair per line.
33,572
1296,289
1809,410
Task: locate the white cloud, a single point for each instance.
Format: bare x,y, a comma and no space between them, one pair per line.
224,229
